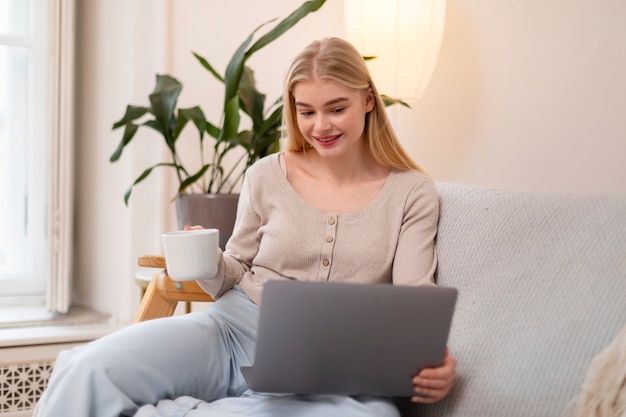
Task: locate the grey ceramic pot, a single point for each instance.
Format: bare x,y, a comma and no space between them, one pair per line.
211,211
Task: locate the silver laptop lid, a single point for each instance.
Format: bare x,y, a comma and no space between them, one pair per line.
339,338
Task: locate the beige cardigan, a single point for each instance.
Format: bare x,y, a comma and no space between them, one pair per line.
278,235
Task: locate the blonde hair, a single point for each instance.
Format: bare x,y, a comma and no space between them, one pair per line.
334,59
603,393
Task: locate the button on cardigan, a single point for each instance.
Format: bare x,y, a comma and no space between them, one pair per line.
278,235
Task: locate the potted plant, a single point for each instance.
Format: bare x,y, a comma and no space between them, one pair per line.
205,197
213,183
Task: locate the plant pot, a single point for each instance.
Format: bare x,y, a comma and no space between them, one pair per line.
211,211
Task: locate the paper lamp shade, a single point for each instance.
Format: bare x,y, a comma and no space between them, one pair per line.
403,35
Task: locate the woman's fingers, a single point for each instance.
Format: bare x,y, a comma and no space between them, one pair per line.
433,384
188,227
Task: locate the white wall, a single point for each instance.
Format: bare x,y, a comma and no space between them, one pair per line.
526,95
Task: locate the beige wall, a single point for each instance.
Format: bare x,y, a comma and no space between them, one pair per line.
526,95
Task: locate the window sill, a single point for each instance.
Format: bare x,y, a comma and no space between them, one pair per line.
35,326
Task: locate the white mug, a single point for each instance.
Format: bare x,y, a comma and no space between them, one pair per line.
191,254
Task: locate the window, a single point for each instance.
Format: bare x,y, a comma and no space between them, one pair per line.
34,60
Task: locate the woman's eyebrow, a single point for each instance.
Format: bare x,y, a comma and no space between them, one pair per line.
328,103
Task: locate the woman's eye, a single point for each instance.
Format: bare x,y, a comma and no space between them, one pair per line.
338,110
306,113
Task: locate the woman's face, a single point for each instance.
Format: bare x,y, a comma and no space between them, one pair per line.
330,116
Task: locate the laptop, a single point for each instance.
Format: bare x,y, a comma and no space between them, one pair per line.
352,339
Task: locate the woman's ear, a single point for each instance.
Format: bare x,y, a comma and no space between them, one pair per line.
370,101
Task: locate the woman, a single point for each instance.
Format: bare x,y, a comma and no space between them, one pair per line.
344,203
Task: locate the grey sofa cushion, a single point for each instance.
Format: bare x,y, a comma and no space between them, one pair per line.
542,289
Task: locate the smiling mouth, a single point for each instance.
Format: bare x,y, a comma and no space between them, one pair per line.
326,139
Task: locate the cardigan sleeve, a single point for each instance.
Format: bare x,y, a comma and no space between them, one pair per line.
415,260
241,248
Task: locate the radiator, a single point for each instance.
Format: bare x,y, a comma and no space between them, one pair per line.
28,349
24,374
22,385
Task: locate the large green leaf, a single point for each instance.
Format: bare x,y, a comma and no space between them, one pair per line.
196,115
390,101
132,113
129,133
193,178
208,66
145,174
231,120
234,69
287,23
243,139
163,102
252,101
272,122
213,130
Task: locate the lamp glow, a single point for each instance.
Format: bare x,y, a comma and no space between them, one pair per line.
403,35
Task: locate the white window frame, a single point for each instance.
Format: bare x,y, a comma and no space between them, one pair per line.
51,188
61,200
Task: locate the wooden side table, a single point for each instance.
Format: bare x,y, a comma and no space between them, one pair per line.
143,276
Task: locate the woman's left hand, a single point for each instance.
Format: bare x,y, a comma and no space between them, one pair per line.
433,384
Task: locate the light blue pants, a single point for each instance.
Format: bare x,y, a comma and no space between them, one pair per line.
181,366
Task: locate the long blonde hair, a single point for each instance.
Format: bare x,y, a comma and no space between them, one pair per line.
334,59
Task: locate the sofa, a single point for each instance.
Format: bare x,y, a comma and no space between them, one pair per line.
542,290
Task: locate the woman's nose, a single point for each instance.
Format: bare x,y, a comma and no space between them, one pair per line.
322,123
